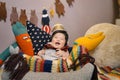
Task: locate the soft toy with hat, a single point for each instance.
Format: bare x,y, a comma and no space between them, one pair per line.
45,21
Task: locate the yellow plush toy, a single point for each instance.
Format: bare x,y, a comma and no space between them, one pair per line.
90,41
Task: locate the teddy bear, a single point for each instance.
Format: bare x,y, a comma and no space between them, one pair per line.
107,53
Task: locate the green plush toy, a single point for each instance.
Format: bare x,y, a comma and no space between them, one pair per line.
6,53
22,40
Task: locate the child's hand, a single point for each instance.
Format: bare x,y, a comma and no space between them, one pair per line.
41,52
37,57
62,53
59,52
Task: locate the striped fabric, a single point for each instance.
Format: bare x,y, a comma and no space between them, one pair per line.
60,65
38,65
108,73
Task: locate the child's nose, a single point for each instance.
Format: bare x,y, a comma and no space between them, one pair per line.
58,39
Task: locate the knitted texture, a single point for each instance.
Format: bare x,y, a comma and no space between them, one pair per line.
59,65
41,65
22,38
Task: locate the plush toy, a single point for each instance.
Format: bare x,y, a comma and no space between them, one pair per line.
23,38
59,8
18,29
45,21
23,17
7,52
34,18
90,41
107,52
45,18
3,11
13,16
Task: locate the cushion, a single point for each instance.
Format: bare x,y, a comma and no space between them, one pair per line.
39,38
83,74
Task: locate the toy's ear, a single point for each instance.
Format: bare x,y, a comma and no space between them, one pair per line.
39,38
90,41
23,38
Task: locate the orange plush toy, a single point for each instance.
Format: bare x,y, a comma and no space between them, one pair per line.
23,38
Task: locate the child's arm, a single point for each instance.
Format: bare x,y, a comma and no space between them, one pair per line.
41,52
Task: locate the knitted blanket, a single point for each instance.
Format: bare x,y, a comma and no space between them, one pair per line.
60,65
38,65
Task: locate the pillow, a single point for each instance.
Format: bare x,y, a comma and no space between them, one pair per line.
90,41
39,38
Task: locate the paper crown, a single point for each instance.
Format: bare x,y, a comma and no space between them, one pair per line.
57,27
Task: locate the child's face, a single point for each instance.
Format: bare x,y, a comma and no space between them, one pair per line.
58,40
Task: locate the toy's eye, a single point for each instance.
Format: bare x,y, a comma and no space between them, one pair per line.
26,37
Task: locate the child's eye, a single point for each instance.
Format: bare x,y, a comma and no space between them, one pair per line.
25,37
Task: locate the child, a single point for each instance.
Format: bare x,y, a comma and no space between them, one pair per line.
57,48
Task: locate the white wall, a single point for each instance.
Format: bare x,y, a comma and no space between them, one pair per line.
76,21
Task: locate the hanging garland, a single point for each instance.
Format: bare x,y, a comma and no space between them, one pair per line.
3,11
58,5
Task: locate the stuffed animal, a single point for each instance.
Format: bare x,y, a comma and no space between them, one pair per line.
13,16
23,17
45,21
59,8
23,38
34,18
107,52
3,11
45,18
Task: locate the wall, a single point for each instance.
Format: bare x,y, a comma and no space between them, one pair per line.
78,18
